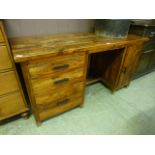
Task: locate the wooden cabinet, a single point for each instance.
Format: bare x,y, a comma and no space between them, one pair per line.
146,62
12,101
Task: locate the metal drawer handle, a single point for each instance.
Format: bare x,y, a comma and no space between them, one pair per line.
64,101
61,81
60,67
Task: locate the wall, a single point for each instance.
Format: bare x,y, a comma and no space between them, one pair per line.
28,27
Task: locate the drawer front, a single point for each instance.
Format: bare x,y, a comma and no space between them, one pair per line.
56,65
5,62
62,105
44,85
8,82
11,104
45,97
1,36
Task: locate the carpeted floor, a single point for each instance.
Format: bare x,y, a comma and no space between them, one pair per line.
128,111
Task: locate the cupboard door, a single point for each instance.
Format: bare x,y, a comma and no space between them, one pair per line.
129,65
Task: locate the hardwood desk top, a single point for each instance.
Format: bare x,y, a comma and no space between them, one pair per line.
27,48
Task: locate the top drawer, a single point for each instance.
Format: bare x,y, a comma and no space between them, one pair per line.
5,62
59,64
1,36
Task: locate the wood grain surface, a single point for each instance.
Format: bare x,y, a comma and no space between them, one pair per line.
27,48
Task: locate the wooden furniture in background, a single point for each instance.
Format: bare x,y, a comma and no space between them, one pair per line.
12,101
55,67
146,62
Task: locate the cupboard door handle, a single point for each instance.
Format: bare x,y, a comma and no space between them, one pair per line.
60,67
64,101
61,81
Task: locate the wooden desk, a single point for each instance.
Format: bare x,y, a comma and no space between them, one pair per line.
55,67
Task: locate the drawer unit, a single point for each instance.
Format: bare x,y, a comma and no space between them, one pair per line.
8,82
59,106
55,65
12,101
54,82
5,62
11,104
1,36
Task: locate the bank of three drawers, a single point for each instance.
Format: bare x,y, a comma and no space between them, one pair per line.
56,83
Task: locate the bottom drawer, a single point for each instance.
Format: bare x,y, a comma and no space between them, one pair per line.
60,106
11,104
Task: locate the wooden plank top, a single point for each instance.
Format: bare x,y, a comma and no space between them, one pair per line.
26,48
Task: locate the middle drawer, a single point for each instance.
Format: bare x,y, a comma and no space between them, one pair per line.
47,89
8,82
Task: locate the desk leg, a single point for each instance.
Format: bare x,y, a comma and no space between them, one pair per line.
85,67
